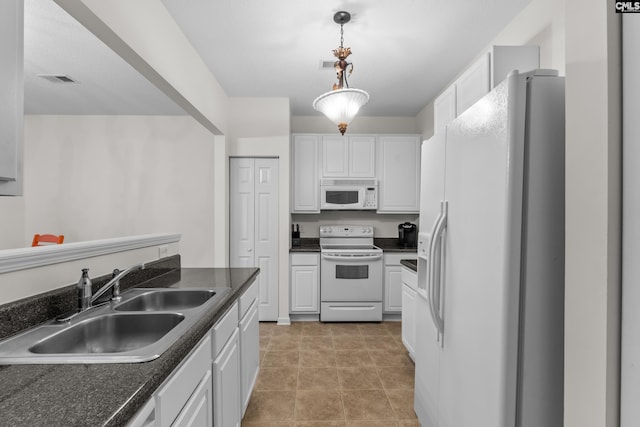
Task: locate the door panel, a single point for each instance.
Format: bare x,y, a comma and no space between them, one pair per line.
241,200
253,240
478,286
266,243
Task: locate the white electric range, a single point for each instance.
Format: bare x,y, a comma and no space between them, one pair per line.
351,270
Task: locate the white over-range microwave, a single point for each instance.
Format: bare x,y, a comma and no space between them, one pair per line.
349,194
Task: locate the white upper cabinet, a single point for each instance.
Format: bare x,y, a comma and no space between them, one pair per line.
362,156
444,108
481,76
473,84
505,59
348,156
398,173
335,156
305,183
11,94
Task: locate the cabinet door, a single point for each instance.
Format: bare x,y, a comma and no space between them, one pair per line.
249,352
505,59
199,410
362,156
399,174
444,108
335,156
174,394
409,319
226,385
145,417
392,289
305,289
306,178
473,84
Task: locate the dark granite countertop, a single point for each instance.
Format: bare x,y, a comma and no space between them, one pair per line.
411,264
110,394
307,244
385,243
392,245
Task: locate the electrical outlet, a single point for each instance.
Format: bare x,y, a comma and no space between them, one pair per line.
163,251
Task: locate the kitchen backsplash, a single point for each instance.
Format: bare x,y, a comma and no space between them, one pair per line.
384,225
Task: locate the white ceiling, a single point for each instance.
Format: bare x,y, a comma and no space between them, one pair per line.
404,52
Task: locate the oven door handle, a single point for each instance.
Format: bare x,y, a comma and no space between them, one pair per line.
351,258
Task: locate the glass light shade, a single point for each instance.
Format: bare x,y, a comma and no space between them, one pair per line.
341,105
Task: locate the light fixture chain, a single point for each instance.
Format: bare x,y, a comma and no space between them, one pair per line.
341,35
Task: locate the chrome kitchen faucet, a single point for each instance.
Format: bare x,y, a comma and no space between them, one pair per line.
89,300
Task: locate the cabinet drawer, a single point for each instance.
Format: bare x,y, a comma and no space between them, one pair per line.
410,278
222,330
247,298
175,393
304,259
394,258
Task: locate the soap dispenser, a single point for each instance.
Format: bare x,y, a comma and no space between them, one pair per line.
84,290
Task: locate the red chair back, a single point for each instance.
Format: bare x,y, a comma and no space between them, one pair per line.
47,239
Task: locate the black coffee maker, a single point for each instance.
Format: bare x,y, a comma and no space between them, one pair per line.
408,235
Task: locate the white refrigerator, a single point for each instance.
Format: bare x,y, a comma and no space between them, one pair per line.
490,304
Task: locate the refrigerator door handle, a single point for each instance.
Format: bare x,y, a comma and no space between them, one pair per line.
437,279
431,269
435,269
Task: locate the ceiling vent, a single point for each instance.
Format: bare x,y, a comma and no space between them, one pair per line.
327,64
57,78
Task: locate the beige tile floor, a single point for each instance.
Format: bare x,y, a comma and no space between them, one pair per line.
332,375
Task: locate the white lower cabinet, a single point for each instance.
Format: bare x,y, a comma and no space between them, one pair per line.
175,397
226,385
213,384
305,283
249,330
409,284
198,411
392,299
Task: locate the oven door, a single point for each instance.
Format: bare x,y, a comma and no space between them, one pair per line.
345,277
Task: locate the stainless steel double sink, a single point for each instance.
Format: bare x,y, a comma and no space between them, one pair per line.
139,328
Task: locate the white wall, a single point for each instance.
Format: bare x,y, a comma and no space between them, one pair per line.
12,228
361,124
94,177
261,127
592,275
383,225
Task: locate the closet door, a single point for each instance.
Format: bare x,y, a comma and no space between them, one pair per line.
266,236
253,222
242,218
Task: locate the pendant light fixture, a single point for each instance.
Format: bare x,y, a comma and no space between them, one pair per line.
342,103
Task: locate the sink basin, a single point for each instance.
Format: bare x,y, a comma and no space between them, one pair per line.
111,333
167,300
139,329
